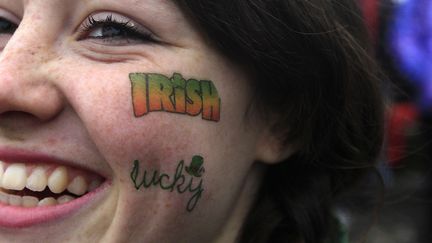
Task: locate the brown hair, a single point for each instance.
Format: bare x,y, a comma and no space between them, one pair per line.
317,82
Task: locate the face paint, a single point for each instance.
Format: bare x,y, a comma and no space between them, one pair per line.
156,92
179,181
210,100
194,100
160,91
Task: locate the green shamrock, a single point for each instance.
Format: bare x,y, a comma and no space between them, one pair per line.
196,166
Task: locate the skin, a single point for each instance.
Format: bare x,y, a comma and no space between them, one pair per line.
70,96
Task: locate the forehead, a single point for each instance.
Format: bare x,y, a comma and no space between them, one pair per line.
18,6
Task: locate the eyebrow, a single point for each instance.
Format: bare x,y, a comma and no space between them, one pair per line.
166,3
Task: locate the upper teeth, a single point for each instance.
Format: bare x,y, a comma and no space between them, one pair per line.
38,180
58,180
16,176
77,186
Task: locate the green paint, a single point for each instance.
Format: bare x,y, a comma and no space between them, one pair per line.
193,97
196,166
177,97
160,99
178,182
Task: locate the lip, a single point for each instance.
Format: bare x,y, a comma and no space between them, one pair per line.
13,155
20,217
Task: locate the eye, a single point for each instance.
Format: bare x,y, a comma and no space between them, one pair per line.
7,28
114,29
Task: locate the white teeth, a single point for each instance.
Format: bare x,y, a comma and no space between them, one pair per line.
14,178
4,198
78,186
29,202
58,180
65,199
1,170
37,181
15,200
48,201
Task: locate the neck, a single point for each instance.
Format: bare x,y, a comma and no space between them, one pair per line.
232,229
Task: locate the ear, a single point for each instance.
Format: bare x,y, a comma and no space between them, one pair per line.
270,148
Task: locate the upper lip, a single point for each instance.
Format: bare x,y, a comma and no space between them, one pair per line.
13,155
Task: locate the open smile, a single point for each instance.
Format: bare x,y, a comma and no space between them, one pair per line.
33,192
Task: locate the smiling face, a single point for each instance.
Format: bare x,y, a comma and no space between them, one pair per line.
78,158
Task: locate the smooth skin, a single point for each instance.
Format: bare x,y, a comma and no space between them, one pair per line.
65,92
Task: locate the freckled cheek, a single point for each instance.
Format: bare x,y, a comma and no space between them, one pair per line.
159,139
109,118
165,210
156,140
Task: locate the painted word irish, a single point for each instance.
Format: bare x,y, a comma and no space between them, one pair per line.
156,92
179,181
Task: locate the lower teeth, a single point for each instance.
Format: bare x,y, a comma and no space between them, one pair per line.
30,201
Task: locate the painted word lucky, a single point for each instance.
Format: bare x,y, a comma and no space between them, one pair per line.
156,92
179,182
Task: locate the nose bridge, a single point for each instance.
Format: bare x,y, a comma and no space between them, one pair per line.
25,84
31,44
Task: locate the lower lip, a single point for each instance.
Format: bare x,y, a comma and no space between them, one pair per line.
20,217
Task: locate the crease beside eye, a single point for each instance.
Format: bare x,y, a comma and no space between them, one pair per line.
8,22
6,26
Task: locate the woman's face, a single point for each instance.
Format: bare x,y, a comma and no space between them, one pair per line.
119,122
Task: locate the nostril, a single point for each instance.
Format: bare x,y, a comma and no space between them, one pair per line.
43,103
15,115
15,124
30,93
13,120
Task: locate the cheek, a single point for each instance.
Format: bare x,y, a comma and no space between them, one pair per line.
160,140
106,108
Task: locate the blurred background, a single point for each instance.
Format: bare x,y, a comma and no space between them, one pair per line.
400,211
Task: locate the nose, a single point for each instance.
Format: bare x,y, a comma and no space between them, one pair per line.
26,81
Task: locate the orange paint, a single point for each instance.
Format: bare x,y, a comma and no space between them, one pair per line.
139,93
211,101
156,92
194,100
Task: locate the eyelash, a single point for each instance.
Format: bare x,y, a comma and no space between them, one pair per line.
129,30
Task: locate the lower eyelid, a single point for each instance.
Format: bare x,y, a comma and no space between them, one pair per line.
101,53
119,46
114,42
